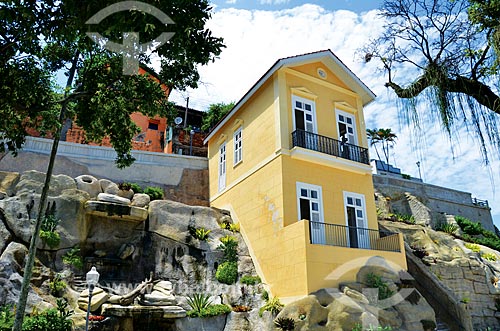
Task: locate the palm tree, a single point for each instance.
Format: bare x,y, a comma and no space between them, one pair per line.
385,137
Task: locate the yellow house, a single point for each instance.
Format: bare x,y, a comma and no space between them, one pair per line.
290,162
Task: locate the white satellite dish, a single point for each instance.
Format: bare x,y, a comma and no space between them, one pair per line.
178,120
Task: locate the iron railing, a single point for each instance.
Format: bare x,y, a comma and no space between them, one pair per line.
330,146
348,236
480,203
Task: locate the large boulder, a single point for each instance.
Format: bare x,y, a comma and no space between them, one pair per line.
99,297
8,181
89,184
33,181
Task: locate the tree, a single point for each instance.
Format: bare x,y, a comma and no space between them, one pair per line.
385,137
214,114
454,58
41,38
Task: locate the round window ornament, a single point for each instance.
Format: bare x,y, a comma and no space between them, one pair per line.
322,73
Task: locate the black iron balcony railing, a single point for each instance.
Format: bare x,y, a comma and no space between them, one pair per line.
353,237
316,142
480,203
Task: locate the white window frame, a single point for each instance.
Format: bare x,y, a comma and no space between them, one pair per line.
299,186
296,98
222,166
363,242
238,146
355,129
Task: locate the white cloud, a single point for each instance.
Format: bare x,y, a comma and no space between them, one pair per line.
231,2
256,39
273,2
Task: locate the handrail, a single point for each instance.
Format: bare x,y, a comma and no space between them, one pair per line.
348,236
330,146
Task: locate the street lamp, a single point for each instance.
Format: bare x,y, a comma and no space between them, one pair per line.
191,143
92,279
419,173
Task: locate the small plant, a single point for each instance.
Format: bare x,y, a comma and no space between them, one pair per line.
73,258
48,232
198,301
285,323
54,319
489,256
227,273
229,245
136,188
376,281
447,228
406,176
199,233
405,218
359,327
124,186
272,305
250,280
6,318
469,227
210,311
234,227
473,247
57,285
465,300
52,239
96,318
155,193
265,295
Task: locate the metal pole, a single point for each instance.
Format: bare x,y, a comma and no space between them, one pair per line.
191,143
419,173
91,288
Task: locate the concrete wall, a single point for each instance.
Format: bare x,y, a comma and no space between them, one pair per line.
183,178
438,199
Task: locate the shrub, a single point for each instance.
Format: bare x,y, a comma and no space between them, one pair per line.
489,256
155,193
405,218
210,311
73,258
234,227
473,247
124,186
136,188
52,239
56,285
447,228
227,273
198,301
6,318
54,319
49,223
406,176
285,323
272,305
250,280
469,227
229,245
202,233
375,281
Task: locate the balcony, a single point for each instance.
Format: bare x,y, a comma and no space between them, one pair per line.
330,146
353,237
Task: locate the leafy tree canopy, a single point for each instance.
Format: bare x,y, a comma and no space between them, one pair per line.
39,39
214,114
452,45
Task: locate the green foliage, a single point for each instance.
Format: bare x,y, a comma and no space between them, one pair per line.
250,280
125,186
136,188
376,281
229,245
210,311
385,137
6,318
73,258
473,247
155,193
469,227
199,233
272,305
49,223
448,228
214,114
57,285
55,319
198,301
52,239
285,323
406,176
234,227
227,272
489,256
265,295
405,218
465,300
419,252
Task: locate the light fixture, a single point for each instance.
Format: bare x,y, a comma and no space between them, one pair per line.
92,280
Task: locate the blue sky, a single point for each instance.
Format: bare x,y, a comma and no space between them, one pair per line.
259,32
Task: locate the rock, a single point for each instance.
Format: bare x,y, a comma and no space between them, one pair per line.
378,266
111,210
88,184
8,181
106,197
140,200
161,295
100,253
99,296
32,181
215,323
128,194
355,295
125,251
108,186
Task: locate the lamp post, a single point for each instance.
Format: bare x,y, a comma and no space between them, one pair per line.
191,143
419,173
92,279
